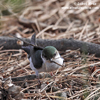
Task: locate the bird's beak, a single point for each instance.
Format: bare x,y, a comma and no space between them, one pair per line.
51,60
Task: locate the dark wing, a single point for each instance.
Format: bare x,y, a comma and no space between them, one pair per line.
35,53
33,41
26,49
38,61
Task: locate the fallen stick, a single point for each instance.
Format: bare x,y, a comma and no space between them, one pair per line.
30,77
27,77
61,45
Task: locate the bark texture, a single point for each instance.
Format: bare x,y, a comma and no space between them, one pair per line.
61,44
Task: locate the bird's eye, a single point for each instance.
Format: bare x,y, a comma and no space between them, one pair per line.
43,55
55,54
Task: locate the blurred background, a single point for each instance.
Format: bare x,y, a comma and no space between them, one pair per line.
51,19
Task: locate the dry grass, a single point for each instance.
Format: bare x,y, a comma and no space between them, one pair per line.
79,79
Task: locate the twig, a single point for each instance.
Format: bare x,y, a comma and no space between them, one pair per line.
23,40
57,63
46,86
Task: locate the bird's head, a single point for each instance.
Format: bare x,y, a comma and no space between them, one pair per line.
49,52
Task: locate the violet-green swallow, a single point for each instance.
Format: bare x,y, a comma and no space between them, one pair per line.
43,59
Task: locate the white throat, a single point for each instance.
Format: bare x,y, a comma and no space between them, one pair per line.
51,66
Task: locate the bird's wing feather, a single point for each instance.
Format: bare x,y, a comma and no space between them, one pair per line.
33,39
26,49
38,60
35,53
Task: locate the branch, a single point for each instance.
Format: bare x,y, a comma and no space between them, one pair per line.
61,45
29,77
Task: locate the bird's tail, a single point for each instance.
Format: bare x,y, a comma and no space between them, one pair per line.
27,48
33,39
31,44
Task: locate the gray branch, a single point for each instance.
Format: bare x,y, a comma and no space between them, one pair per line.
30,77
61,44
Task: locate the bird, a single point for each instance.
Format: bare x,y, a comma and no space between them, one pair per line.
45,59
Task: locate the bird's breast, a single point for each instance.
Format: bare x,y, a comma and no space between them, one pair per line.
51,66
